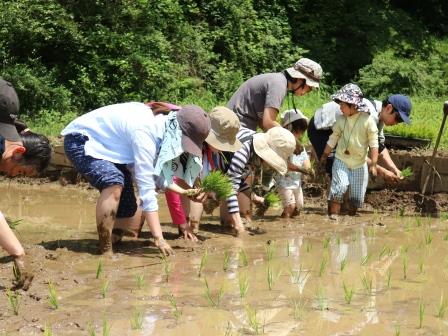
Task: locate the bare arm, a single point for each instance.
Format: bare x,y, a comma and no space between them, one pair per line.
269,118
152,218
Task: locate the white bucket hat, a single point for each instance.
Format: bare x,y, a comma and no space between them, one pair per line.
275,147
308,70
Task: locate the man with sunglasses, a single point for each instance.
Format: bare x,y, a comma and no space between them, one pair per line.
393,110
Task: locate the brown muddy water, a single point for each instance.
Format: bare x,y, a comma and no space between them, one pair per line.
394,270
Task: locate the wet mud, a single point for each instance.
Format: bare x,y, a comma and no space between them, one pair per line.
384,272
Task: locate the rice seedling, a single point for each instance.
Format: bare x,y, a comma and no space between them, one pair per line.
445,237
253,321
348,293
421,314
271,199
91,329
371,232
308,247
442,307
104,288
243,284
13,301
321,299
421,264
323,266
338,240
242,258
366,281
428,238
401,212
343,264
214,302
166,267
418,221
13,223
47,330
218,183
272,277
137,320
326,242
397,330
270,251
355,237
226,261
298,309
177,313
140,280
204,259
99,268
106,327
407,173
53,297
296,275
405,266
388,277
365,259
385,250
407,227
287,248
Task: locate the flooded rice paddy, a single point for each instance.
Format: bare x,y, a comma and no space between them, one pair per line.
377,274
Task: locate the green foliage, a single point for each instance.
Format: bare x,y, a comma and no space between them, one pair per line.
407,172
218,183
271,199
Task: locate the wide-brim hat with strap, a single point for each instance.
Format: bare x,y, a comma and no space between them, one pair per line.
351,94
275,147
195,125
224,127
308,70
290,116
9,111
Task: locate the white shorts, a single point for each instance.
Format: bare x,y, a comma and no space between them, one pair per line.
291,196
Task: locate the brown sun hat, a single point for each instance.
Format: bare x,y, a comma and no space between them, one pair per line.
195,125
275,147
225,125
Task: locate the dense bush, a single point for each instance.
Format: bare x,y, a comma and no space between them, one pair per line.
70,56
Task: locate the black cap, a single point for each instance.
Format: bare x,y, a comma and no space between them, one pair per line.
9,111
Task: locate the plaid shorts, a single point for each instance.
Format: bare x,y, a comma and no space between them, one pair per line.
102,173
344,178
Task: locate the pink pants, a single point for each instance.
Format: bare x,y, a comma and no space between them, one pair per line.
174,203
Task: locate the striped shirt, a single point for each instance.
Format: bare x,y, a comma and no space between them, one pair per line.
239,168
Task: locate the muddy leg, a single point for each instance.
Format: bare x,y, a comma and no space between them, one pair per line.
106,211
244,202
288,211
131,226
352,210
335,209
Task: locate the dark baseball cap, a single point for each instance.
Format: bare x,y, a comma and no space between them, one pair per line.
195,125
402,104
9,111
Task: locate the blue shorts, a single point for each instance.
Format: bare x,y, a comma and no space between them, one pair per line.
102,173
355,180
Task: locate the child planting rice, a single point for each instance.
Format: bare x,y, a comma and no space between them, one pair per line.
353,133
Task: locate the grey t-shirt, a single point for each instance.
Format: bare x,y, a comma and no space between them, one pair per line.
255,94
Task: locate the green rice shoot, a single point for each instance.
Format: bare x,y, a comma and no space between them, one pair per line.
407,173
218,183
271,199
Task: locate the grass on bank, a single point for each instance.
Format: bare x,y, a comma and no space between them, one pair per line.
426,115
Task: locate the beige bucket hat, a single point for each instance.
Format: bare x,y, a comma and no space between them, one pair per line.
308,70
275,147
225,126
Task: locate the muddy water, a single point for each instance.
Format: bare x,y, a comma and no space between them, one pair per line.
394,266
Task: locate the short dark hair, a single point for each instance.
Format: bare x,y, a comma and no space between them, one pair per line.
38,150
298,125
397,114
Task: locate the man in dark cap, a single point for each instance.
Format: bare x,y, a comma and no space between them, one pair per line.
26,154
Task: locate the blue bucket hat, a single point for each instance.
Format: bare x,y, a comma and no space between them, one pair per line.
351,94
401,104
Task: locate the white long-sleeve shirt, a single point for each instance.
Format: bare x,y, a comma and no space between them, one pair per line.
126,133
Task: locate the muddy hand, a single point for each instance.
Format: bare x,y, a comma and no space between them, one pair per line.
164,247
188,233
22,273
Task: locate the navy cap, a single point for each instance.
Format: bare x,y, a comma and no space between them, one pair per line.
403,106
